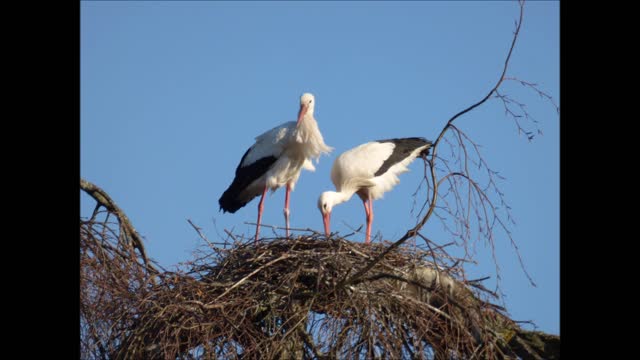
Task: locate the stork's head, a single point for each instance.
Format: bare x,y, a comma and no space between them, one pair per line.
325,205
307,102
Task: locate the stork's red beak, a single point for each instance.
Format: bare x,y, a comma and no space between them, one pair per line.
327,219
301,113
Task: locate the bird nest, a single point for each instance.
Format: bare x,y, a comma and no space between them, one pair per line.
302,297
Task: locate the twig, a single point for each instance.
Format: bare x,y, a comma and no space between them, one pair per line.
284,256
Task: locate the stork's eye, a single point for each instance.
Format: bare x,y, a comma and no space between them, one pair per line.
324,206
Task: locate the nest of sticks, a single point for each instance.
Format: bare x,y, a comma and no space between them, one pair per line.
297,298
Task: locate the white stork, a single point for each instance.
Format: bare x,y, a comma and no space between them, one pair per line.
276,159
369,170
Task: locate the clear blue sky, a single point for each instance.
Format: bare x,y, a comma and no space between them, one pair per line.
173,93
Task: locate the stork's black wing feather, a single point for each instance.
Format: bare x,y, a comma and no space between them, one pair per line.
404,147
230,200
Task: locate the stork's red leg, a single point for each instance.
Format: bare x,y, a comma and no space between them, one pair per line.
286,208
370,220
368,208
260,208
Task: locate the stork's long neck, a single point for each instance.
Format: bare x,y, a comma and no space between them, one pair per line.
308,125
341,196
308,135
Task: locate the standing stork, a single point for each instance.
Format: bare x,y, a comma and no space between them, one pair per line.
369,170
275,160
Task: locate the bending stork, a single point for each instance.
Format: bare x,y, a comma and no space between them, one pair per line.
275,160
369,170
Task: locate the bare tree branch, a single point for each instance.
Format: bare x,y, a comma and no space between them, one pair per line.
434,194
103,199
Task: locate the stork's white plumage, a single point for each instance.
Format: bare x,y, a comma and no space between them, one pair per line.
369,170
275,160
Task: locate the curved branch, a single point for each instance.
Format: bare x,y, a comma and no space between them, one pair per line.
103,199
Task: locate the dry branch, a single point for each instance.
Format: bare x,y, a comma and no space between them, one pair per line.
103,199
